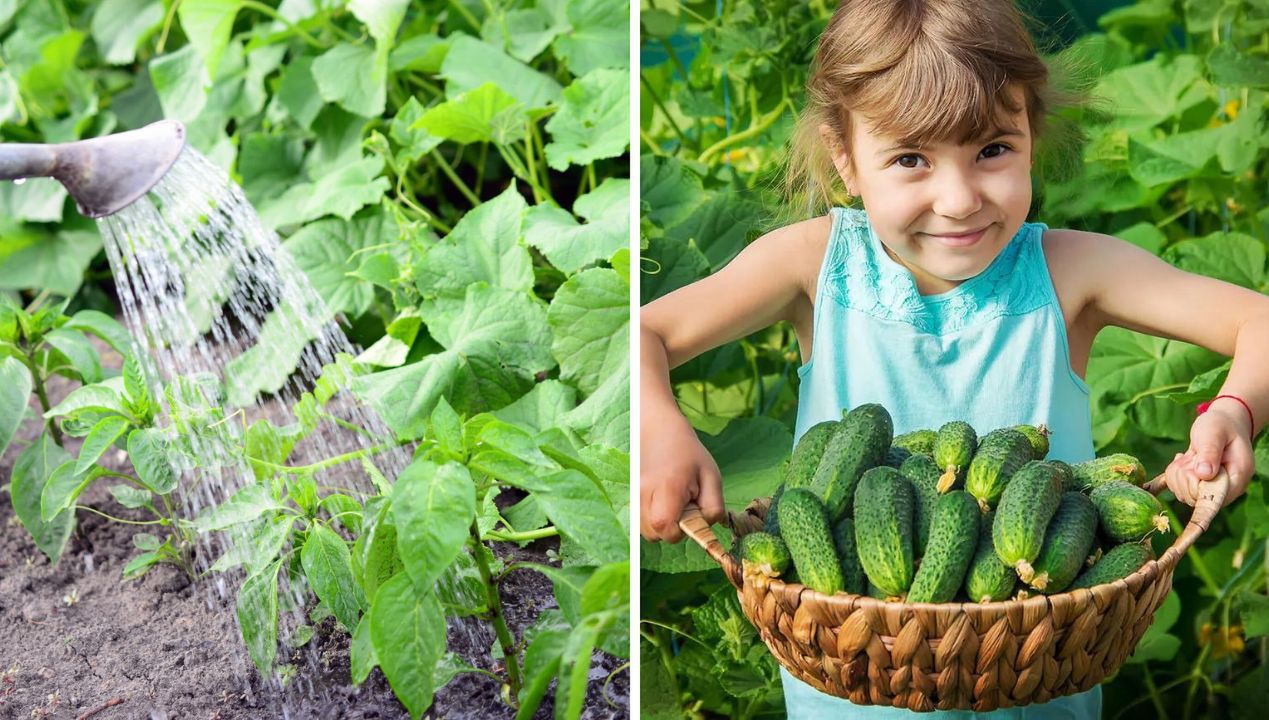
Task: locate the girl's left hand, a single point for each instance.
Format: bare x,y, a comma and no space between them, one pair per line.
1219,437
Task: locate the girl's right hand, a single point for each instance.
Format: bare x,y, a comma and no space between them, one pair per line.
675,469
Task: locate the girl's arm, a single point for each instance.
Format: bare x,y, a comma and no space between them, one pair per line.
1121,284
767,282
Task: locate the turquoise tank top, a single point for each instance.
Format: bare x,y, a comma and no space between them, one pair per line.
992,351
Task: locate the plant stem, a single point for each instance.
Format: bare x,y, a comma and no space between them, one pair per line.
328,462
656,100
95,511
266,10
40,393
1155,697
453,176
466,14
497,618
757,128
546,532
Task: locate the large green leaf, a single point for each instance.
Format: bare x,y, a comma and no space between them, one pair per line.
52,262
593,122
590,316
382,17
598,35
407,630
118,26
15,393
353,76
257,610
432,508
329,251
471,63
570,246
1148,93
604,417
580,510
342,192
35,199
31,472
483,114
484,246
327,565
181,83
1232,257
207,24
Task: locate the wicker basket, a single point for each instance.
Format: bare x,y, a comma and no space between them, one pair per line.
953,656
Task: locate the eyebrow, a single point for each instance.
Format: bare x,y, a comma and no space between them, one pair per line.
1000,132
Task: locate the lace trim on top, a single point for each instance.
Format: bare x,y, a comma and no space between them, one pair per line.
860,275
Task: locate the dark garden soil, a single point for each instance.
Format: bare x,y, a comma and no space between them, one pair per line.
76,641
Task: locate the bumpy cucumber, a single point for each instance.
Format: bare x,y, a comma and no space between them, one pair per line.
895,457
1000,455
953,449
1067,542
806,455
1069,482
1099,471
766,552
883,529
917,442
989,579
876,592
1038,436
1127,512
924,474
1120,562
859,443
853,578
953,538
806,532
771,523
1027,505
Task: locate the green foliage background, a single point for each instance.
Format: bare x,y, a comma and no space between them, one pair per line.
1178,168
453,178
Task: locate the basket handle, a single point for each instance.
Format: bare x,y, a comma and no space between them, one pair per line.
697,527
1211,499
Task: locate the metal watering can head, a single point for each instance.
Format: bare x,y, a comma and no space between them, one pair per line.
104,174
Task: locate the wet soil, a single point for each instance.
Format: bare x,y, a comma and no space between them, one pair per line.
76,641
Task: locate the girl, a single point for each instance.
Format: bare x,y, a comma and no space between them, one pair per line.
937,299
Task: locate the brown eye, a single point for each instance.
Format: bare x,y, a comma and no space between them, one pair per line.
900,160
1003,149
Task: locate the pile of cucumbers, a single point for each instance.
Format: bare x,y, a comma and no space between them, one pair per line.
944,515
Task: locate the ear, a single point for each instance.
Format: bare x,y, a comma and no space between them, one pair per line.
841,159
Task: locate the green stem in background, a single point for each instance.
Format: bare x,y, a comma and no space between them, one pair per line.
656,100
453,177
42,394
497,618
327,463
759,126
1172,218
167,27
160,521
590,178
1155,697
546,532
272,13
513,161
674,58
466,15
540,163
480,167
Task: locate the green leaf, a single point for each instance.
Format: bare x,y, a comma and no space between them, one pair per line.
31,472
407,629
604,417
471,63
1145,236
361,652
353,76
1170,159
393,348
432,508
50,262
719,227
1253,611
524,33
415,141
590,317
575,664
540,408
257,609
15,394
484,245
207,24
118,26
245,505
139,564
483,114
105,396
669,190
1149,93
342,192
569,245
541,665
181,83
147,449
64,486
130,497
593,122
35,199
78,351
100,438
580,510
104,327
447,430
1157,643
1232,257
1231,68
598,36
382,17
265,366
327,566
298,92
328,253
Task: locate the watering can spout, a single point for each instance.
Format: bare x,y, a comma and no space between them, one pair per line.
104,174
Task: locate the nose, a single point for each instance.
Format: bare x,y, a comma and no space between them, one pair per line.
956,194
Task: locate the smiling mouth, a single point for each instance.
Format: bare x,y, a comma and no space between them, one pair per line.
964,239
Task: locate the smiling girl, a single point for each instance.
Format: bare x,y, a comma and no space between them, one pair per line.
938,299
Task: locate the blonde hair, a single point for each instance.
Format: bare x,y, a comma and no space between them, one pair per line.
927,71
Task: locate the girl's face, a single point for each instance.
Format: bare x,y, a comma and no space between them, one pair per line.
945,211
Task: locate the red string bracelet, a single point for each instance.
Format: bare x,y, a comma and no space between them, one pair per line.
1202,408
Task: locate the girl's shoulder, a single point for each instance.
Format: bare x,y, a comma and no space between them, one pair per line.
799,247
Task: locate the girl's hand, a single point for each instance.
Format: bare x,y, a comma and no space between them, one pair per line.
675,469
1219,437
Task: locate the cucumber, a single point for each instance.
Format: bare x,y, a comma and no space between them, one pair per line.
1067,543
766,552
853,579
953,449
924,474
771,523
917,442
1119,562
953,538
860,442
1001,454
1099,471
875,592
989,579
1027,505
883,529
1127,512
1069,482
806,532
1038,437
895,457
806,456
